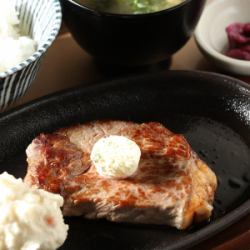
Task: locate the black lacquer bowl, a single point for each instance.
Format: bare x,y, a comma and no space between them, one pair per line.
212,111
132,40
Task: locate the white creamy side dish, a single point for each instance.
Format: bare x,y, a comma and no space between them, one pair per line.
14,48
116,157
30,219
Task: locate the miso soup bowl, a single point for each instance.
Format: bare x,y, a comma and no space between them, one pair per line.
132,39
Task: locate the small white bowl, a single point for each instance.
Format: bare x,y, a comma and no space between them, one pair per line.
41,20
211,37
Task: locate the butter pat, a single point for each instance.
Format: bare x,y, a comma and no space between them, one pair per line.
30,219
116,157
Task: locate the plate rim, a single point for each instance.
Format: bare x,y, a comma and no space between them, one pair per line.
109,83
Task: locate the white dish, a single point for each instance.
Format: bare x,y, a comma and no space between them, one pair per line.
211,37
40,20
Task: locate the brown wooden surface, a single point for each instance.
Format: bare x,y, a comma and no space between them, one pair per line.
66,65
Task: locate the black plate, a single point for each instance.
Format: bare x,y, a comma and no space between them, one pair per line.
212,111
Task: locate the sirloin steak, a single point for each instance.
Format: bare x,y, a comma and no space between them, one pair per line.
171,186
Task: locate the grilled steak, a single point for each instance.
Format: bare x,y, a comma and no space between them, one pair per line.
172,185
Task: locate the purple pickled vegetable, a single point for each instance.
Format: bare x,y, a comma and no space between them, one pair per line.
246,29
239,41
246,48
239,54
238,34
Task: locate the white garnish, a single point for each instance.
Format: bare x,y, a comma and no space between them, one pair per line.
116,157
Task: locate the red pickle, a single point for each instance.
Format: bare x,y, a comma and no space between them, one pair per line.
239,41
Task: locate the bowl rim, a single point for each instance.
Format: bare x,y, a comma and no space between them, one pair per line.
206,46
43,48
120,15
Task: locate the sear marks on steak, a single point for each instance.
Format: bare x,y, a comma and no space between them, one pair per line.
172,185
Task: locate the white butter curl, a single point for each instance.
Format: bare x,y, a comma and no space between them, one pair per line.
116,157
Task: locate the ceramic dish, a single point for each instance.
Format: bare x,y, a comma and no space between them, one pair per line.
41,20
211,34
132,39
211,110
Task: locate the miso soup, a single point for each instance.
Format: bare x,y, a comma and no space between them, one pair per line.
129,6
